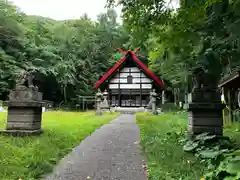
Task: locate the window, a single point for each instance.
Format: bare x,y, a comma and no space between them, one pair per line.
129,79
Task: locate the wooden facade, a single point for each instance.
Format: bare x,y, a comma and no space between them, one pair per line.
129,82
132,85
230,86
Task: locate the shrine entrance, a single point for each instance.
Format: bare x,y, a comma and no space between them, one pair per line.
128,100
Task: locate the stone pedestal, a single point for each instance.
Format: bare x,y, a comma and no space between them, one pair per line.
205,112
24,112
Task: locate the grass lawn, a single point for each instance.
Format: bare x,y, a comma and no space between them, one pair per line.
160,141
31,157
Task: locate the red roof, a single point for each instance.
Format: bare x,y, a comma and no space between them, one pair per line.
134,58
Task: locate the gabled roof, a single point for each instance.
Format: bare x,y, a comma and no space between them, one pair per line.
133,56
232,79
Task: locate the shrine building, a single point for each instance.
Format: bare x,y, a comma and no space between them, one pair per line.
129,82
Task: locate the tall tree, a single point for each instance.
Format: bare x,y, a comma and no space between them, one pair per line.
67,57
197,33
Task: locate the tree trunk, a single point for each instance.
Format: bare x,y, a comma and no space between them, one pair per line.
65,93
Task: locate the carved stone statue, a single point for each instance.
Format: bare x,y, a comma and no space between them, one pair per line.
30,78
22,76
198,78
210,81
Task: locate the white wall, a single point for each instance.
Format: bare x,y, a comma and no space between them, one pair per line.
136,74
130,86
133,69
135,80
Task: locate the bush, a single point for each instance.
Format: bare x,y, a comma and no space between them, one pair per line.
218,153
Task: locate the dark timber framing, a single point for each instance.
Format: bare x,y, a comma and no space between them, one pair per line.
128,72
119,94
132,83
130,98
133,76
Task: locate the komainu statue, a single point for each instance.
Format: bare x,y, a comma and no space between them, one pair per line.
203,80
23,76
197,78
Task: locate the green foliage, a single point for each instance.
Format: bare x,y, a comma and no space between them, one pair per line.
229,168
202,141
218,152
32,157
118,55
201,32
68,57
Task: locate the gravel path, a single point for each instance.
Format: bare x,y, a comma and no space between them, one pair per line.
110,153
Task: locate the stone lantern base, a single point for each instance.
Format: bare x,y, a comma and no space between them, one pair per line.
99,113
105,106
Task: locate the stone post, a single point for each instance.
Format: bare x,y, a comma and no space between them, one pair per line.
163,97
205,108
154,99
98,101
185,105
175,96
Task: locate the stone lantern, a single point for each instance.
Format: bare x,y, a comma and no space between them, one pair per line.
104,104
153,95
98,101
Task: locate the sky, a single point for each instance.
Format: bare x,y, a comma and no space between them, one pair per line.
63,9
67,9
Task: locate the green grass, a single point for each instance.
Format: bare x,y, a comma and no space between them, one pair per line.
160,142
31,157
